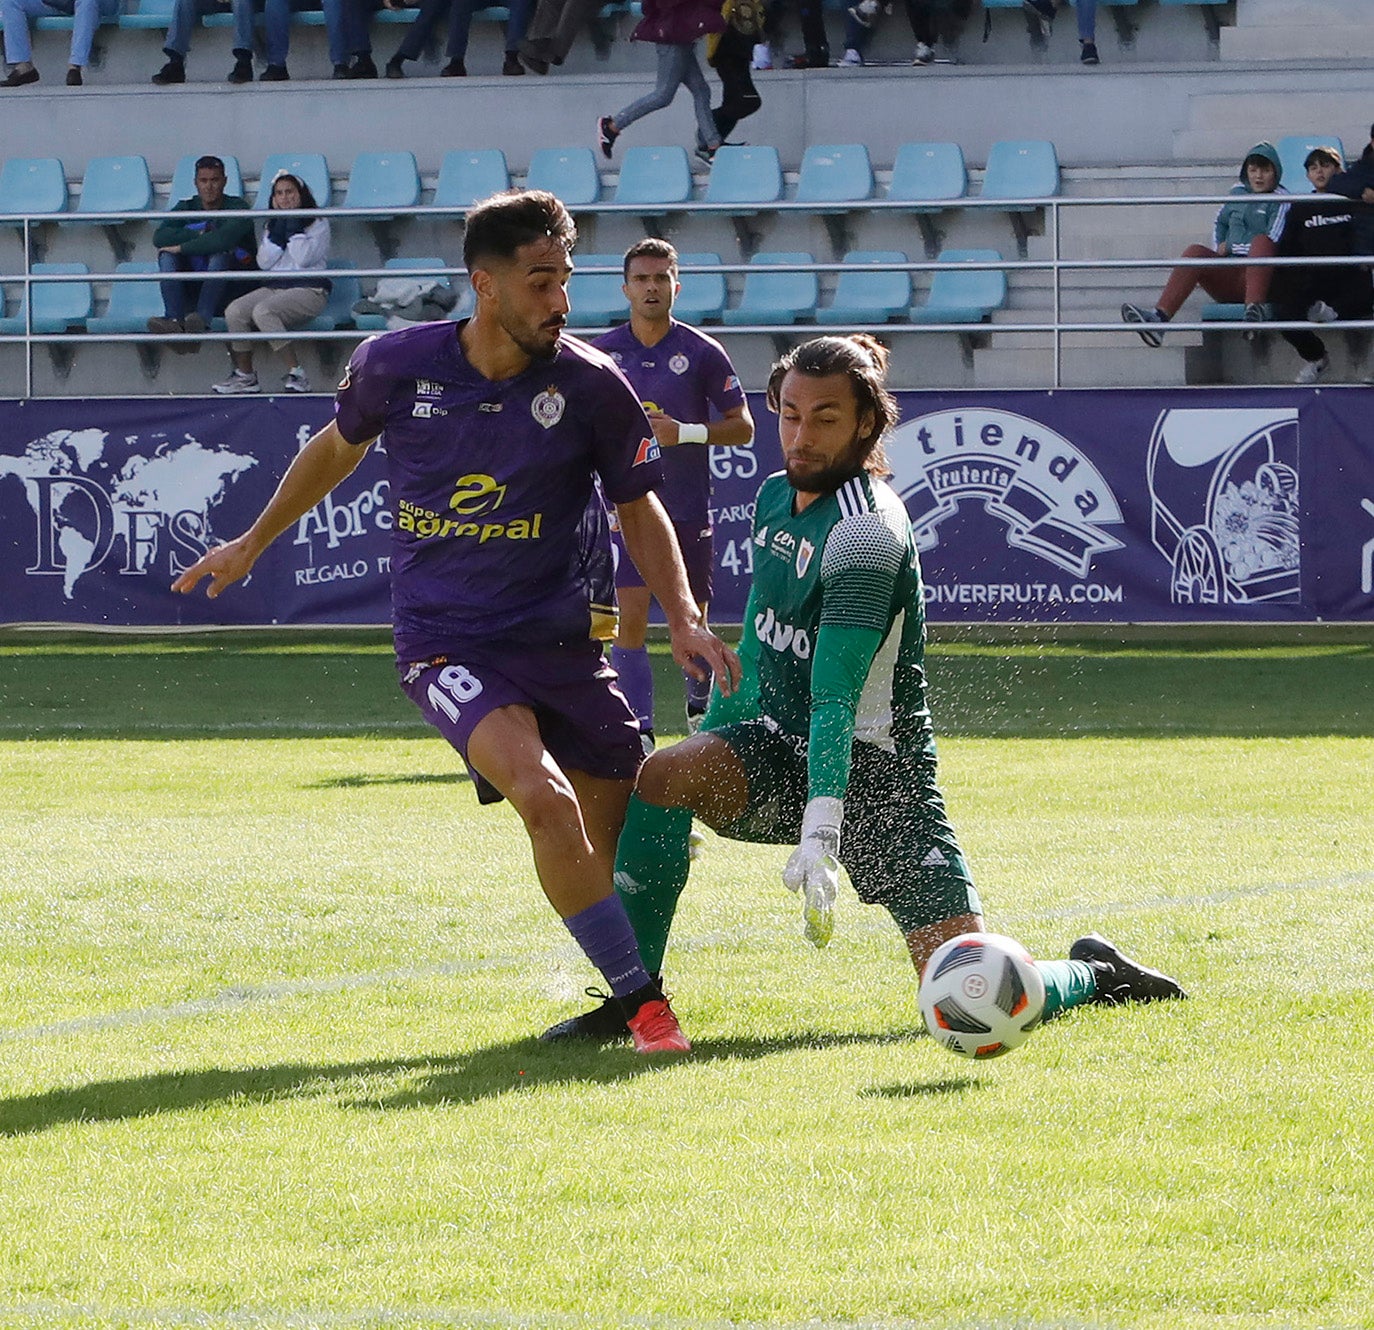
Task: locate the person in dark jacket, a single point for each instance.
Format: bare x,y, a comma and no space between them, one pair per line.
192,241
1357,182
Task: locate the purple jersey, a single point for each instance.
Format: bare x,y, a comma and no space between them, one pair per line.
684,376
490,483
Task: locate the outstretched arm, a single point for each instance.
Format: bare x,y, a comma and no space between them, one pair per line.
325,461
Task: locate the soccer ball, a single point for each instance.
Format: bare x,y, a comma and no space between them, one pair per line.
981,995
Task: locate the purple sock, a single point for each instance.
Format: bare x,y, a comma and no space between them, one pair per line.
636,681
603,931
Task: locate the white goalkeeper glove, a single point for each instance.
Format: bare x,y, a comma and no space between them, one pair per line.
813,867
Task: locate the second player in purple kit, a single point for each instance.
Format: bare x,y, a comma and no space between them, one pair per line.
496,431
683,378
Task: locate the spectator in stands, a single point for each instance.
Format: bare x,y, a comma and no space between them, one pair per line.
294,248
555,26
729,53
191,241
673,26
18,50
460,13
816,44
1357,183
276,28
1246,228
1045,10
861,20
1319,228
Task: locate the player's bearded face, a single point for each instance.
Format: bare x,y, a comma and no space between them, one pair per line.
531,297
824,439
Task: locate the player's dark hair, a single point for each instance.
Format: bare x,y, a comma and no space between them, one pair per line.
307,194
651,247
208,163
1322,155
864,360
501,224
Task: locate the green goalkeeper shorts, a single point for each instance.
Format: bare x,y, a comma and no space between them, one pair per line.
897,844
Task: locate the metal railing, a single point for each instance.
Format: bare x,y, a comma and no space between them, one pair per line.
1056,327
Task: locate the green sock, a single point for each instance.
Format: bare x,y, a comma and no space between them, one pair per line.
1067,984
651,863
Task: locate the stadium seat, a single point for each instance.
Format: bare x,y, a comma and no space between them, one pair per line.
869,297
780,295
570,173
33,185
1222,312
1293,150
383,180
746,176
132,304
929,177
344,291
838,174
596,298
308,166
116,184
702,298
470,174
1021,169
149,14
655,180
963,297
57,306
183,184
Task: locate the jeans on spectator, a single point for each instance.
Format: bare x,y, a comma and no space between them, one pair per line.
277,28
187,13
209,297
677,67
460,25
87,15
1087,19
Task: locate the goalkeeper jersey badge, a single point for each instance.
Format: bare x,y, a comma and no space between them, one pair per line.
804,552
547,407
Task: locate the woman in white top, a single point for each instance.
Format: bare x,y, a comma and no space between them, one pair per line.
293,248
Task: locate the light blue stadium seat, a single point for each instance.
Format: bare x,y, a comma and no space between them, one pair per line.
570,173
1293,149
383,180
338,309
596,298
65,22
1021,169
781,296
470,174
703,294
745,175
35,185
57,306
869,297
148,14
405,263
963,297
835,173
308,166
655,178
116,184
1222,312
928,173
132,304
183,184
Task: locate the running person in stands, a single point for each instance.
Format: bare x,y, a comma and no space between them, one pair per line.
496,429
1248,228
830,728
682,376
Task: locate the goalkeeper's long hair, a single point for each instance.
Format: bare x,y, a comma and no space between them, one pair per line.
864,360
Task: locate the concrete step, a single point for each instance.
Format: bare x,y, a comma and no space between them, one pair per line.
1297,13
1100,367
1308,40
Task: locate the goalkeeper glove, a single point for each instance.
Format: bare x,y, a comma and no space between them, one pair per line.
813,868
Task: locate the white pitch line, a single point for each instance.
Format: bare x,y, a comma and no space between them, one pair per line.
242,996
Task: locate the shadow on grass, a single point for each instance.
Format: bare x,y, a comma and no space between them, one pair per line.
468,1078
922,1089
418,778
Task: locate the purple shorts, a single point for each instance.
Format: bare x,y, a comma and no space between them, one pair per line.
698,553
584,720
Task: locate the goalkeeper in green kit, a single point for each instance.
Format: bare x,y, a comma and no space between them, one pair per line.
827,745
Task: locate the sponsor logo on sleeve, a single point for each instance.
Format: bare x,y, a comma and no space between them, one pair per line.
648,451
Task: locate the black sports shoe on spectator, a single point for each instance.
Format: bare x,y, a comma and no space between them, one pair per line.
242,71
1088,54
606,135
1120,979
362,68
275,74
1254,313
174,71
1137,315
455,69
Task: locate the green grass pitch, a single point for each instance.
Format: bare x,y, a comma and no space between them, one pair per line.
269,981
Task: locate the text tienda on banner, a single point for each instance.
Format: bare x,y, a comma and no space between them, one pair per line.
1244,505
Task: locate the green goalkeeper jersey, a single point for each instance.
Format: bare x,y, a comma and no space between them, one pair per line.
834,631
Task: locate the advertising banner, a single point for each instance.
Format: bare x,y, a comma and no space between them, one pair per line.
1111,506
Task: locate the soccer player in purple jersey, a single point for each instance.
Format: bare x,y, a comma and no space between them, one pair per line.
496,429
682,377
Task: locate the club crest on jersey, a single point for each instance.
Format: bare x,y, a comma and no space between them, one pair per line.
804,552
679,364
648,451
547,407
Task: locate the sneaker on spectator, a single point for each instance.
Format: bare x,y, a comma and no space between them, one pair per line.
1088,54
850,58
1312,370
293,381
395,67
174,71
705,155
763,56
74,79
511,64
242,71
275,74
1321,312
238,384
1044,10
606,135
363,67
455,69
163,326
1134,314
925,54
1254,313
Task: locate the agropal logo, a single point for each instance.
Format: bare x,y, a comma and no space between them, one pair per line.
1051,498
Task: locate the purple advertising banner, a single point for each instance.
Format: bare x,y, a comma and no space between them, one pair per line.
1113,506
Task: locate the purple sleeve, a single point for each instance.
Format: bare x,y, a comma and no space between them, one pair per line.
361,399
627,455
723,389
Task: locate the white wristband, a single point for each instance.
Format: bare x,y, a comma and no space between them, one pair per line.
692,433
